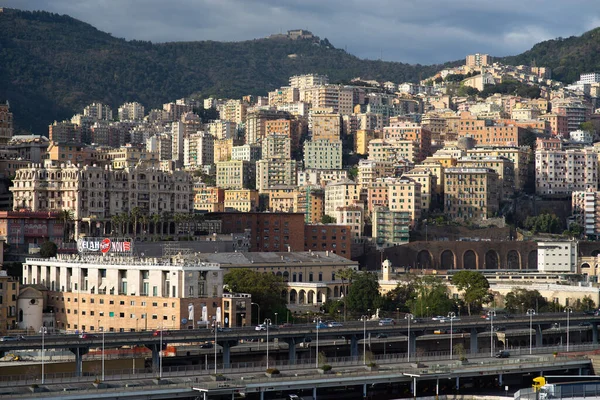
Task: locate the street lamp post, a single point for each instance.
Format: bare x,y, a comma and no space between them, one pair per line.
216,333
568,310
258,316
318,321
160,355
408,317
43,333
102,354
451,315
364,319
492,314
531,313
267,323
276,320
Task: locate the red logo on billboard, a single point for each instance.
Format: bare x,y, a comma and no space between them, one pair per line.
105,245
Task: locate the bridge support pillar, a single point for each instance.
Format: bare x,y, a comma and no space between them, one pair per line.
353,346
155,349
291,350
79,353
594,333
226,354
500,379
315,393
473,341
539,340
364,390
262,395
412,340
457,383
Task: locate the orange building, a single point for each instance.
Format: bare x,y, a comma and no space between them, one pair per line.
558,124
209,199
73,152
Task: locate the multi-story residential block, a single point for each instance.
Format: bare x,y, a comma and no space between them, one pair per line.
247,152
309,80
333,238
234,111
503,167
63,132
585,206
274,231
339,98
242,200
222,149
561,172
478,60
393,150
341,194
276,145
283,198
488,133
95,194
174,111
76,153
133,111
326,126
177,135
428,181
519,156
292,128
362,139
198,150
311,202
284,95
370,170
352,216
470,193
29,147
256,123
559,125
6,124
403,130
583,137
98,111
25,229
161,144
275,172
127,156
405,195
208,199
390,228
323,154
221,129
321,177
236,174
576,111
9,292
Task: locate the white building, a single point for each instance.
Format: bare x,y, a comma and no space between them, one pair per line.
247,152
580,136
131,112
323,154
321,177
591,77
198,149
557,256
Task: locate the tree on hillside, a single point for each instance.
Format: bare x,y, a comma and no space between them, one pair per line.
475,289
364,293
543,223
431,297
265,288
397,299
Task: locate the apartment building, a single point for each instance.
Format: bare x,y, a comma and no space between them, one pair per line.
326,126
428,181
557,256
585,206
6,124
311,202
390,228
236,174
221,129
247,152
233,111
478,60
404,195
198,150
341,194
76,153
275,172
222,149
362,139
352,216
292,128
560,172
95,194
132,111
370,170
332,238
124,293
98,111
321,177
503,167
284,95
242,200
323,154
283,198
558,123
276,145
470,193
519,156
393,150
63,132
403,130
308,80
256,123
576,111
208,199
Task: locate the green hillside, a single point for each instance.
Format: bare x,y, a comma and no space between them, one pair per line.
567,57
52,65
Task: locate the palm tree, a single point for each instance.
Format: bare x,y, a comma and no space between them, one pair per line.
178,218
155,220
66,217
135,215
144,222
116,222
125,219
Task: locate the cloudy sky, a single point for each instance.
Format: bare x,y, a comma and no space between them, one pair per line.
415,31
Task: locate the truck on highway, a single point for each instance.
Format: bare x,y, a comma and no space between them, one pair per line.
564,386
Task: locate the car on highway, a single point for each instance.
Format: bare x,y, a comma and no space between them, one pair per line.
438,318
386,322
224,330
285,325
207,345
320,325
260,327
502,354
158,332
335,324
10,338
381,336
85,335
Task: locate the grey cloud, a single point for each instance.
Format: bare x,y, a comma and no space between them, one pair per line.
415,31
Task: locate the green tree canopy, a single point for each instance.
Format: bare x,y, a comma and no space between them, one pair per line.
431,297
265,289
520,300
364,293
399,297
48,249
326,219
543,223
475,289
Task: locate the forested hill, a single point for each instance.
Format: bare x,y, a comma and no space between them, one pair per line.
568,57
52,65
